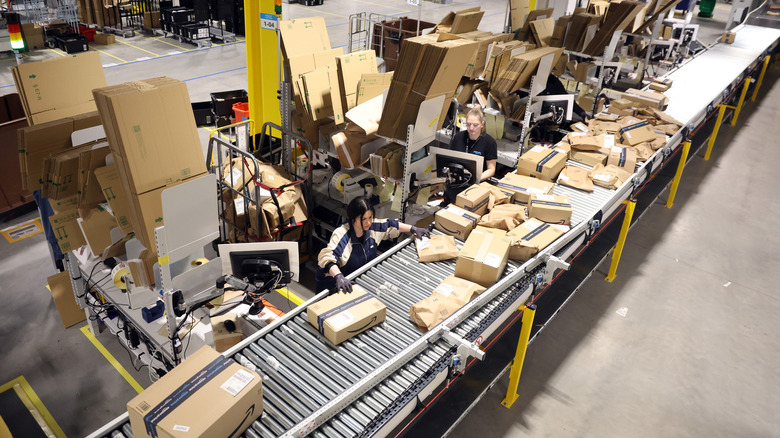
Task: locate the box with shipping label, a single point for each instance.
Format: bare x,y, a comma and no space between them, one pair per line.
455,221
661,85
474,199
41,89
637,133
550,208
624,158
541,162
206,395
483,257
610,177
436,248
344,315
458,289
523,186
151,131
531,237
650,99
429,312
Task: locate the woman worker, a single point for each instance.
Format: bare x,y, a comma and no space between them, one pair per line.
474,141
354,244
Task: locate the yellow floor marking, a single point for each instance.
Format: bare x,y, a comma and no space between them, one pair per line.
132,45
36,402
182,49
111,359
106,53
7,233
57,52
295,299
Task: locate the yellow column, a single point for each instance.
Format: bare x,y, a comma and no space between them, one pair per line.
741,101
262,61
618,252
714,135
678,174
517,365
760,78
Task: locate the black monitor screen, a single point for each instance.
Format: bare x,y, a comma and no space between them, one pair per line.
242,262
443,161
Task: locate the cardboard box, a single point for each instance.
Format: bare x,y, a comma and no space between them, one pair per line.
550,208
388,161
518,72
40,86
629,112
66,228
581,24
531,237
483,257
649,99
96,226
455,221
518,11
559,31
622,157
116,195
728,37
303,36
344,315
576,177
104,38
541,162
350,69
661,84
523,186
152,133
504,217
222,398
542,31
497,196
436,248
33,36
465,23
372,85
223,337
590,158
62,292
474,199
637,133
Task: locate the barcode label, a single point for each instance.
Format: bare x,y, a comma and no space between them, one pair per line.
238,382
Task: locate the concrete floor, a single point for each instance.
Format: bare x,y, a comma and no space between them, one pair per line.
694,356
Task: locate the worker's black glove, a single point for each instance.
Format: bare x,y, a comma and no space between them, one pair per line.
421,232
342,283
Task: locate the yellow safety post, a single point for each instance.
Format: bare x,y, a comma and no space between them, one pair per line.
760,78
522,345
262,60
714,135
678,174
532,5
741,101
627,215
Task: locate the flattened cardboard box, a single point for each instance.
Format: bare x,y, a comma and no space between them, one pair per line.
483,257
115,194
474,199
550,208
62,292
67,231
350,68
523,186
543,163
152,133
455,221
207,395
41,89
531,237
344,315
303,36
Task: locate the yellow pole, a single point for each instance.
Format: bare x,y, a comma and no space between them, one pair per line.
760,78
678,174
714,135
627,215
532,5
262,61
741,101
517,365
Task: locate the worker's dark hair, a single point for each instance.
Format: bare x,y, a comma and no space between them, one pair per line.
357,207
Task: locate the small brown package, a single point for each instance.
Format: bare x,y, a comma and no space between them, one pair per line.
436,248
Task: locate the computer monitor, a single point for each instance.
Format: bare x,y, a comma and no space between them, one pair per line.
557,108
473,164
243,260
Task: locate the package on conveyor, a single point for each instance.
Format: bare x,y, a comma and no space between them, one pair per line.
576,177
483,257
554,209
474,199
344,315
504,217
449,296
531,237
496,196
636,133
643,151
153,138
623,157
646,99
455,221
223,399
610,177
522,187
661,84
436,248
542,163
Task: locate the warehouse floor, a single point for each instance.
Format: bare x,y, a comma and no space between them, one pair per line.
693,353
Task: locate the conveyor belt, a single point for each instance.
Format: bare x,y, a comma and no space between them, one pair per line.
368,384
